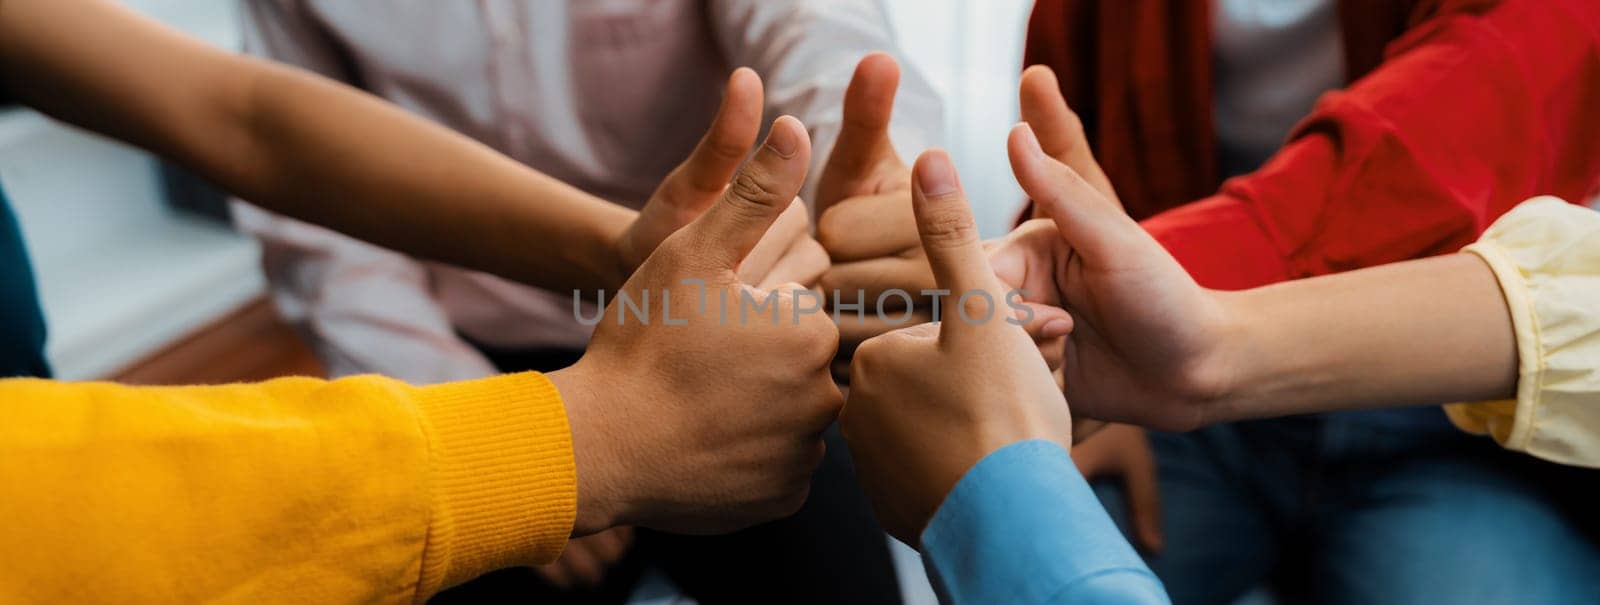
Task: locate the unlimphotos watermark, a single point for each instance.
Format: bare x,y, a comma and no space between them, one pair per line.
972,306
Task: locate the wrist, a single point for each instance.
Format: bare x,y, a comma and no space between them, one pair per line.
616,255
1253,361
600,498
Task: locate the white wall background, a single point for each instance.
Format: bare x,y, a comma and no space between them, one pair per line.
972,53
119,274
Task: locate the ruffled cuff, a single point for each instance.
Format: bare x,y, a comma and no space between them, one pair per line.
1546,255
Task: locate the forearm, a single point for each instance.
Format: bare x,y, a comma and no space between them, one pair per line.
1421,332
421,189
357,490
305,146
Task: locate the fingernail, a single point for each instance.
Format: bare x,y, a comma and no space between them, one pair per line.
935,174
1031,139
1055,328
783,140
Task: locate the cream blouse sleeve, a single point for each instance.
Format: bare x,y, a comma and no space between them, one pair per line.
1546,255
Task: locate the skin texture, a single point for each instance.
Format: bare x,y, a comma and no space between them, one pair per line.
1152,347
864,202
707,426
865,221
787,253
286,140
928,402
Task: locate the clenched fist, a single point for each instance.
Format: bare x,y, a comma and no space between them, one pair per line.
928,402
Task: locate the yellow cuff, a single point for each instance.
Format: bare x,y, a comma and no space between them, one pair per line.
1546,255
503,482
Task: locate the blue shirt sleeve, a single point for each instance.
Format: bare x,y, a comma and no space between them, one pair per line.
1023,527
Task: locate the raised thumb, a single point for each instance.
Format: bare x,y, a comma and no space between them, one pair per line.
863,143
758,195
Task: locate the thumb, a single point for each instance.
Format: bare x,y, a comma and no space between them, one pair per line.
863,143
1096,227
725,144
955,253
758,196
1059,129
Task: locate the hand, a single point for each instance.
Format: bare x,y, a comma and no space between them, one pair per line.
864,209
587,559
1147,342
706,425
786,253
1122,451
928,402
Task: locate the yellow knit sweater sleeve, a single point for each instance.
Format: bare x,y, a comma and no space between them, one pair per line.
361,490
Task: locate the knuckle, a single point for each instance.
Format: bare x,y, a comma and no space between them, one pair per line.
868,358
819,351
949,227
811,261
833,280
802,214
674,245
753,188
867,353
822,337
725,146
832,402
833,228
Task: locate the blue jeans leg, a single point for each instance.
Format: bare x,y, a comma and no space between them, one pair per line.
1220,526
1470,525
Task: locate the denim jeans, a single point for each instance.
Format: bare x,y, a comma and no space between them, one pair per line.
1340,509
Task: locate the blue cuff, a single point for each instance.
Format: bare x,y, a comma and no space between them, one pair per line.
1023,527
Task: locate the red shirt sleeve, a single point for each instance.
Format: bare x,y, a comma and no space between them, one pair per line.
1476,109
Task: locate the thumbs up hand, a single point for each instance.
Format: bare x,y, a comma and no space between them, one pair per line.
1149,346
705,412
863,161
928,402
787,253
864,204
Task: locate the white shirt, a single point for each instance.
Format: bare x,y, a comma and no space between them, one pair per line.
607,95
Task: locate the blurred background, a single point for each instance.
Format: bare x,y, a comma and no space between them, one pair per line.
143,252
144,280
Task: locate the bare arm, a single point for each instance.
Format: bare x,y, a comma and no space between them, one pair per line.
285,140
1150,346
1421,332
